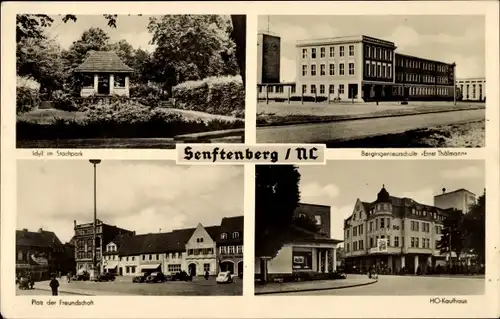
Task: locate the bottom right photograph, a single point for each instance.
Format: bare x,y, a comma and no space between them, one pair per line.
371,227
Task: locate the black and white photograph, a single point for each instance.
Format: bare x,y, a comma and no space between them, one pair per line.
129,81
394,228
127,227
387,81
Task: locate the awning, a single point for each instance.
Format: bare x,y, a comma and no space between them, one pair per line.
150,266
110,267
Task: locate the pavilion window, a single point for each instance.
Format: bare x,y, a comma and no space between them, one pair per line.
87,81
119,81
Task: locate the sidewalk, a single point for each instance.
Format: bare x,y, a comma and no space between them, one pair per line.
65,287
274,288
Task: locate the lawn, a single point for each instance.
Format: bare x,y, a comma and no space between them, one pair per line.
283,113
47,116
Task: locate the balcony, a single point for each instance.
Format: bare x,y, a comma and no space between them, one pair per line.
235,254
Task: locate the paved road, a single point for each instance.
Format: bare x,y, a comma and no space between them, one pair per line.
357,129
124,286
409,286
37,292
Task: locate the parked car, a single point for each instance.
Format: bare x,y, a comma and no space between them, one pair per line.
107,276
182,276
83,276
140,278
155,277
339,274
224,277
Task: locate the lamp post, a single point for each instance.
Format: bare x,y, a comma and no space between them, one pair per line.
94,259
454,84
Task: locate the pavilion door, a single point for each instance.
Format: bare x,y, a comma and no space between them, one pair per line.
103,87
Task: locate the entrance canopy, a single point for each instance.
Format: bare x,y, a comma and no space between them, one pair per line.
150,267
109,267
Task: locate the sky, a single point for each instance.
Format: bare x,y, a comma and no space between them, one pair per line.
459,39
340,183
144,196
132,28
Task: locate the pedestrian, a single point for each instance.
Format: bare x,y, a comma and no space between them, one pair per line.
54,285
206,274
69,276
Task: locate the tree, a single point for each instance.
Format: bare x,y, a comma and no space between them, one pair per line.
473,228
307,223
93,39
192,47
238,35
452,238
125,52
41,60
276,198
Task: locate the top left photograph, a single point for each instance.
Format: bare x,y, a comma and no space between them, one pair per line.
129,81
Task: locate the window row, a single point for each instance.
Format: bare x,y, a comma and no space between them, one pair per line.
378,70
421,78
201,251
322,87
374,52
415,226
331,69
374,240
428,66
415,243
223,250
234,235
322,52
425,213
425,91
473,90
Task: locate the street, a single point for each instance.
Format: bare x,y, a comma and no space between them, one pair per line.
124,286
408,286
358,129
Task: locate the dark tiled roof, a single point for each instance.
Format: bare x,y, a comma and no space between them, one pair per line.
297,234
46,239
229,225
155,243
103,61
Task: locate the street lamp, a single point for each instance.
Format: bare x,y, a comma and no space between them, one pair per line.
94,259
454,84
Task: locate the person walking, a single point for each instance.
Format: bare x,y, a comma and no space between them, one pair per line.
54,285
69,276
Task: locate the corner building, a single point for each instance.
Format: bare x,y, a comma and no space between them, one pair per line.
410,230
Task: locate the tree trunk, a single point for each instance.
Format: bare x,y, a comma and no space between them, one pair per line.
263,269
238,35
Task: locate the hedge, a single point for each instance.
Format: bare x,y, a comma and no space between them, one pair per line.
27,99
214,95
118,119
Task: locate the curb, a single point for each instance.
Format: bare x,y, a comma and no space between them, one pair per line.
313,121
315,289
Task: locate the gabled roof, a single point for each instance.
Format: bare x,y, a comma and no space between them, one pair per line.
42,239
103,61
230,225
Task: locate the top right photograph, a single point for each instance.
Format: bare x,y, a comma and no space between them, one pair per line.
372,81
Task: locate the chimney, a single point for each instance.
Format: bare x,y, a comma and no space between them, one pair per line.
444,190
74,223
25,229
40,230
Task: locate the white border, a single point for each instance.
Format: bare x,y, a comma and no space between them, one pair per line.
249,306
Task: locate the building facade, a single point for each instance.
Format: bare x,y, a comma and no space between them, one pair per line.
230,245
194,250
472,89
304,251
460,199
84,243
422,79
40,253
361,68
103,73
393,233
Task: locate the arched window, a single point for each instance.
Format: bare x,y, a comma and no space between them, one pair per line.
236,235
223,236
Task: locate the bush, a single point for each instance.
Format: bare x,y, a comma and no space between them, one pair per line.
214,95
148,95
63,101
308,98
27,99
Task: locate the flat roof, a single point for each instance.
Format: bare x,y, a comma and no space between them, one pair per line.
456,191
472,79
426,59
344,39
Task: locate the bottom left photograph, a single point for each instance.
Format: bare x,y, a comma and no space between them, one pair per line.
127,227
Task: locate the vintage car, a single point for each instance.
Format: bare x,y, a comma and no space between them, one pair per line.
82,276
140,278
107,276
224,277
182,276
155,277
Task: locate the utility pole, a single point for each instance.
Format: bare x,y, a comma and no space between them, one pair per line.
94,249
454,84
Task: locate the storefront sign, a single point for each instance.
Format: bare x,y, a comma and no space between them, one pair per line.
382,245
